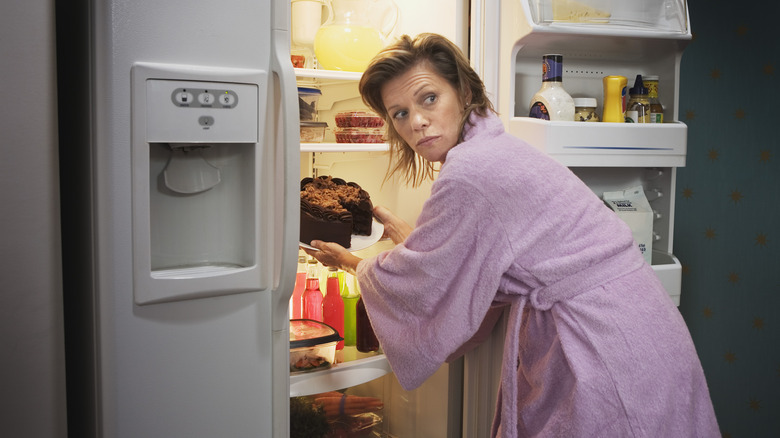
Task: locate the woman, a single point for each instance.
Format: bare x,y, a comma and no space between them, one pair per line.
594,345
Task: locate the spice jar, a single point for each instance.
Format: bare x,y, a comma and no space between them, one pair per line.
585,109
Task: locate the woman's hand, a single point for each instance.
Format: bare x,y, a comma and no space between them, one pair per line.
333,254
395,228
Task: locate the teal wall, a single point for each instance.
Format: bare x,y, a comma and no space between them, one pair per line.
727,223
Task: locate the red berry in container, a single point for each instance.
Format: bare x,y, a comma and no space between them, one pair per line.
358,119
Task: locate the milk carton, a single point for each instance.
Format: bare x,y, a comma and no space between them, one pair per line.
632,207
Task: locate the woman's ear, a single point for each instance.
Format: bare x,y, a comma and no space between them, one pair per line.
467,97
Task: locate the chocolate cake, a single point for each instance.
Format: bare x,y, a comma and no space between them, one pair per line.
333,209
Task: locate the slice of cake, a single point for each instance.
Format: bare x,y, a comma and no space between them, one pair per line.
333,210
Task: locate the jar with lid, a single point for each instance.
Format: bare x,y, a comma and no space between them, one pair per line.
638,107
585,109
656,107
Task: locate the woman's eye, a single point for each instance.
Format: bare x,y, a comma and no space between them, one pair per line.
399,115
430,98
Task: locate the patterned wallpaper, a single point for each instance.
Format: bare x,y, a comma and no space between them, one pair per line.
727,223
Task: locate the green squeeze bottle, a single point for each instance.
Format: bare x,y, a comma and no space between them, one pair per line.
350,302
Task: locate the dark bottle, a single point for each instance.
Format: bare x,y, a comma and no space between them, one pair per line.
366,339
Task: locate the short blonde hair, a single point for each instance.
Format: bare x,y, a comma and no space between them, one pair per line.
447,60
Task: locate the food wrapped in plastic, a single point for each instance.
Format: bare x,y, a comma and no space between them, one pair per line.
312,345
358,119
359,135
354,426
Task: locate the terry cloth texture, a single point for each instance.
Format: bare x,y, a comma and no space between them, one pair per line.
594,346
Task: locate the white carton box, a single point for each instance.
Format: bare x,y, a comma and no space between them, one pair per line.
632,207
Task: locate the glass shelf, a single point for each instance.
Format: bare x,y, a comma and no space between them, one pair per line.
344,147
352,368
330,75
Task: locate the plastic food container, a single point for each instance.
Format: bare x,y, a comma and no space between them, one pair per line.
358,119
312,345
313,132
307,103
359,135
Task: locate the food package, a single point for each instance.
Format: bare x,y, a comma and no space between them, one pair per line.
313,132
632,207
358,119
359,135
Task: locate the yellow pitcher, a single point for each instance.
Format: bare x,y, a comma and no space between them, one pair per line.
354,32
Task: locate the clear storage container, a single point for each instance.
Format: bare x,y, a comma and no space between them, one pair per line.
657,15
312,345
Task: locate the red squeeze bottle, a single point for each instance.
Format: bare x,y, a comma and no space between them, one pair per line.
333,308
366,339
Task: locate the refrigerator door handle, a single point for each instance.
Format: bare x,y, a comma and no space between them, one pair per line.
287,125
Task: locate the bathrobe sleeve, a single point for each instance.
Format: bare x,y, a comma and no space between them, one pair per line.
429,295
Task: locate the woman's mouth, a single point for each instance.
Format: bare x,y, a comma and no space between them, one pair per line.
425,141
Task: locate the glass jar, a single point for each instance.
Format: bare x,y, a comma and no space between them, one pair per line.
585,109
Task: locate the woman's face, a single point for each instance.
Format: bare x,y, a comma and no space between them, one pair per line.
426,111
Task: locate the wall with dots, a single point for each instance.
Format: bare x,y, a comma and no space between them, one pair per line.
727,223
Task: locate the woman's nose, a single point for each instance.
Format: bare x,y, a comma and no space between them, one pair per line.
419,120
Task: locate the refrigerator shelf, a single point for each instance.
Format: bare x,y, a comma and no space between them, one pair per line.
329,75
669,270
356,368
344,147
606,144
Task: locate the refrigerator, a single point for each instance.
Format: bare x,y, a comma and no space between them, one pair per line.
164,137
179,160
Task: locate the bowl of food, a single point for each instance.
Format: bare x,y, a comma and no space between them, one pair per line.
312,345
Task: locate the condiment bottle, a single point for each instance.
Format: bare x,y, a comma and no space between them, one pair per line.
585,109
296,301
366,339
656,108
312,296
552,102
350,302
638,109
333,306
614,99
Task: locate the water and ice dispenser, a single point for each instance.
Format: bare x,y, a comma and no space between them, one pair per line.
197,164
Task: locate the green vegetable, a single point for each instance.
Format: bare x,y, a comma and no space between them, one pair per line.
307,420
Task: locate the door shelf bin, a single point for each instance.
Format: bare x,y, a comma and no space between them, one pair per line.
344,374
669,270
606,144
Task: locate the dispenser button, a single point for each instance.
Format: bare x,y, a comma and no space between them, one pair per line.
206,121
227,99
206,98
183,98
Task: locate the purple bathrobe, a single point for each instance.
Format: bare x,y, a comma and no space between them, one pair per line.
594,345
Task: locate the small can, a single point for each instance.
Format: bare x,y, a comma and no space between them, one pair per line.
585,109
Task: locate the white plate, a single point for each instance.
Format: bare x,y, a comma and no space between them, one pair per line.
359,242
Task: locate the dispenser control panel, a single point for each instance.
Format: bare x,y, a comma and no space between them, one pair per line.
201,112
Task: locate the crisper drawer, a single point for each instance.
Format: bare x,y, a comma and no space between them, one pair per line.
590,144
669,271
